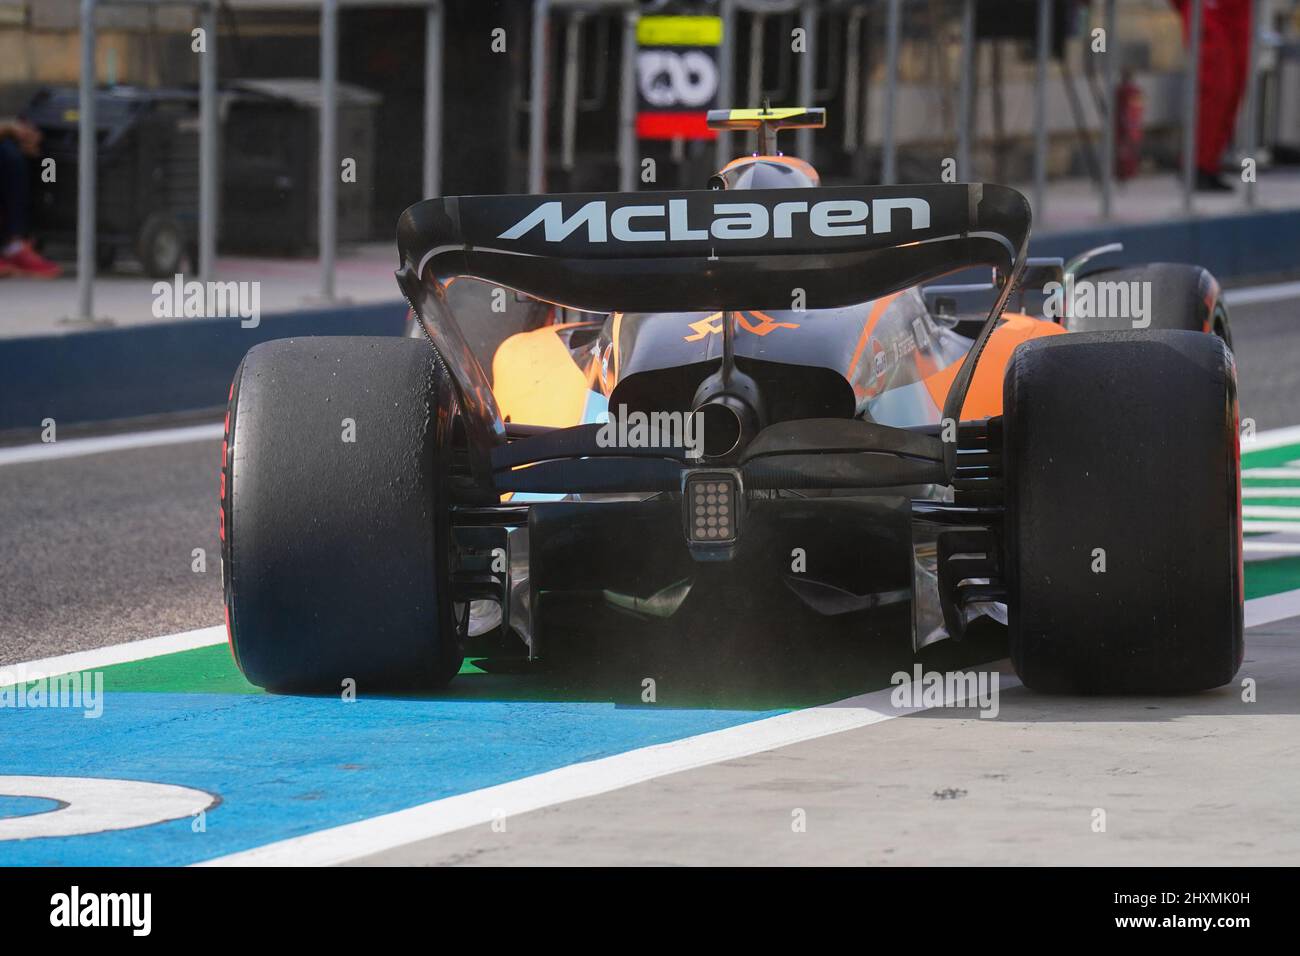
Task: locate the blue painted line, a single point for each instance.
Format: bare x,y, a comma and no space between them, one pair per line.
286,766
25,806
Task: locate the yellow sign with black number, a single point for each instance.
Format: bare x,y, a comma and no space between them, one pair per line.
679,31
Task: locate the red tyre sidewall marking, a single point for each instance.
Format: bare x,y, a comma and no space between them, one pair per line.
227,582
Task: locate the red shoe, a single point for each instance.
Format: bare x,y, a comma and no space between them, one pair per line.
5,268
28,262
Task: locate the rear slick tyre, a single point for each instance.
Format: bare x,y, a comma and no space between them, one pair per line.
1123,512
334,522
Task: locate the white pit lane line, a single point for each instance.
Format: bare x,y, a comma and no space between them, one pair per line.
1272,438
1272,511
75,447
99,657
1271,547
1271,527
1252,295
577,781
1284,472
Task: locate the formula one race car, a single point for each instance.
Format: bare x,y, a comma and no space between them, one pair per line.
743,405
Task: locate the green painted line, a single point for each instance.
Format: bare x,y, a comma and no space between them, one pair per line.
1272,577
1284,502
203,670
1270,457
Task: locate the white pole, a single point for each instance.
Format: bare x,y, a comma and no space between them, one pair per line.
627,106
1191,86
852,78
1108,119
569,90
965,86
327,232
808,20
537,118
726,65
209,154
1040,109
86,153
433,42
1251,144
889,159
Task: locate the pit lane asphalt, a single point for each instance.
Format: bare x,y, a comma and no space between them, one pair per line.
97,550
1204,779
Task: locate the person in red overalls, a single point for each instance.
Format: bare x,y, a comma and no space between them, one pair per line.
1225,50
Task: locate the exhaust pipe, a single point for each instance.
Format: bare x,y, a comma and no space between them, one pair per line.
728,402
725,423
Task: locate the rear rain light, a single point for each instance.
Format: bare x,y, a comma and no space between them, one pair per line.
712,503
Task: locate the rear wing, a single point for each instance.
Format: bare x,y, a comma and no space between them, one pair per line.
787,117
768,121
703,250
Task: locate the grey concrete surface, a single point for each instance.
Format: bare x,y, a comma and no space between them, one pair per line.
1205,779
97,550
1266,342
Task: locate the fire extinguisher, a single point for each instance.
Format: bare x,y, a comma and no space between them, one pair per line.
1130,107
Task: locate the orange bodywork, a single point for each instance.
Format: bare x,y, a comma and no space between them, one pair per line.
536,382
984,399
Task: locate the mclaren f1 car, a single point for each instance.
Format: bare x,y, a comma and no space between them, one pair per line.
757,389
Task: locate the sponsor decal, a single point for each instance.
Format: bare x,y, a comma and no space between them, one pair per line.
878,369
712,325
670,222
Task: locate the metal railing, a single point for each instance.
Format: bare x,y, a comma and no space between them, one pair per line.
539,70
209,133
86,146
729,11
